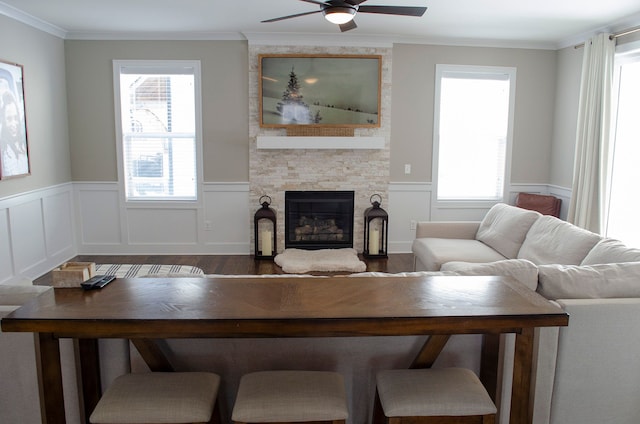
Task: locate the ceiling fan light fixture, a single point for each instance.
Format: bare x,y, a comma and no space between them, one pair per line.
339,15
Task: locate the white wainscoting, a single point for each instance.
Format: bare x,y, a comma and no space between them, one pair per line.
218,224
409,202
37,232
41,229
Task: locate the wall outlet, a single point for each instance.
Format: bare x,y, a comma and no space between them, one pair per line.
407,168
208,226
412,225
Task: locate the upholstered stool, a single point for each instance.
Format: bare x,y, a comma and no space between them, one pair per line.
291,396
159,397
432,395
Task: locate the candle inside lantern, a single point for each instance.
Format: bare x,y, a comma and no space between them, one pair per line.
266,243
374,242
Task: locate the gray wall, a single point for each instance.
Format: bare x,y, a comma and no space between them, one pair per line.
413,98
225,104
567,94
42,56
84,150
566,116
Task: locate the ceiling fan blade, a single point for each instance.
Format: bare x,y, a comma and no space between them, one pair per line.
291,16
348,26
314,2
393,10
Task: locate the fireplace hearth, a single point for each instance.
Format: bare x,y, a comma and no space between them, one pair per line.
319,219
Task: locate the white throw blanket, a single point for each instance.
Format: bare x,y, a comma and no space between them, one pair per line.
298,261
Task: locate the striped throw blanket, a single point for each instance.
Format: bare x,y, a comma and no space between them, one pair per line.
140,270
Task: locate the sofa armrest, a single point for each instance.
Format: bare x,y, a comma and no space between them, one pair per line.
447,229
597,355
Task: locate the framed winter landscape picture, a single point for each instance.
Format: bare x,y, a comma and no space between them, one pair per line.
319,90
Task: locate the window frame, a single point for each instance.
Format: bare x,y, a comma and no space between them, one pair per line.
472,70
166,67
625,54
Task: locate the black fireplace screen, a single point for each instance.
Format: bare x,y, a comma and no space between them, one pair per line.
318,219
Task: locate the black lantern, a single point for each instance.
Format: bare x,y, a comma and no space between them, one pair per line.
264,226
376,231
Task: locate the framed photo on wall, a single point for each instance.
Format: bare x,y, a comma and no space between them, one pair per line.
319,90
14,149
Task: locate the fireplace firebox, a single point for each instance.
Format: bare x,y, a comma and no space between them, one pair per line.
318,219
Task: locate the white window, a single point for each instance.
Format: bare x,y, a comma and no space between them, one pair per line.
472,132
158,108
624,204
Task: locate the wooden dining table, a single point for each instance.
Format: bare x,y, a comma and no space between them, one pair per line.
145,309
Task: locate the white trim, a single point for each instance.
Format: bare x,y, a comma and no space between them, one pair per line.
470,69
226,202
155,36
319,40
154,66
274,142
40,228
31,20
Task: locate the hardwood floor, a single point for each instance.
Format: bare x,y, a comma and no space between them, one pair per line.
234,264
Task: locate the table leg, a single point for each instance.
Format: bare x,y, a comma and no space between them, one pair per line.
522,392
489,360
90,371
152,355
50,379
430,351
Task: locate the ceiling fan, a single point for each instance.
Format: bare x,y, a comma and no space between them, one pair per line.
342,12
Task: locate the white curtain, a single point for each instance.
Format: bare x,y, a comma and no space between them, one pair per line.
592,157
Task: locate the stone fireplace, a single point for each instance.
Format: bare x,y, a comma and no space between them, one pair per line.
362,171
318,219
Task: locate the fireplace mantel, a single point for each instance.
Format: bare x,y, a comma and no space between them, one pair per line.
283,142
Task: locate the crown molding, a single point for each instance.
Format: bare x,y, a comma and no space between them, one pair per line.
614,27
473,42
328,40
159,36
25,18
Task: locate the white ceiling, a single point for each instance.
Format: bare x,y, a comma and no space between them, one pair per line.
517,23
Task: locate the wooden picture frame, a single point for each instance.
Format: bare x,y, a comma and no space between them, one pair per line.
319,90
14,147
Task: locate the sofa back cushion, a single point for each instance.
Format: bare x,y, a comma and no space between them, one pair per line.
520,269
504,228
589,281
609,251
553,241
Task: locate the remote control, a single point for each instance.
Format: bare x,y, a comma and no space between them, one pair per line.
97,282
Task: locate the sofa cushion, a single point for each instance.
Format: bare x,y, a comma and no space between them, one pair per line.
553,241
19,294
403,274
433,252
6,310
521,269
609,251
504,228
589,281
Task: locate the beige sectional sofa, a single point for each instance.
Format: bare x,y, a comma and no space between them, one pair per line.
588,372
